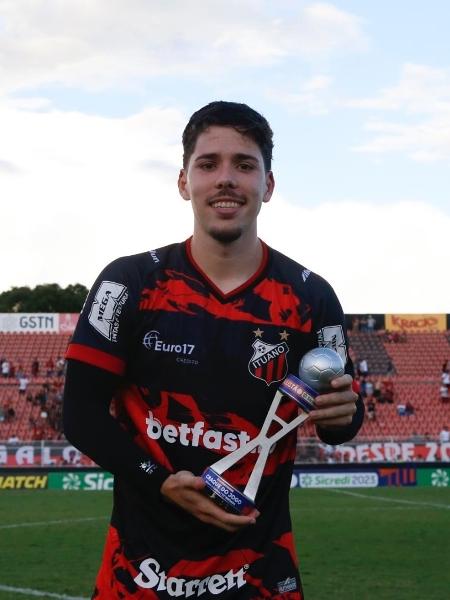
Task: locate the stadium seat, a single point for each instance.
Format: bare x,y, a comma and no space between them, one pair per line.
21,349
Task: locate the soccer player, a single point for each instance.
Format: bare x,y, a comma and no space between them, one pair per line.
174,363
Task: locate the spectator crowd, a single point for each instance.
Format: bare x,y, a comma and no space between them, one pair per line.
41,386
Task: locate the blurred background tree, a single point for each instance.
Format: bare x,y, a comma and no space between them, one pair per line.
48,297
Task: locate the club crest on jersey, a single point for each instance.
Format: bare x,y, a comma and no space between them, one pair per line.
269,361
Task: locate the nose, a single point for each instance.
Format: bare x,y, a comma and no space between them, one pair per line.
226,177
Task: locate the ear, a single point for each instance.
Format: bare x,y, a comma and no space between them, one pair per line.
270,186
183,185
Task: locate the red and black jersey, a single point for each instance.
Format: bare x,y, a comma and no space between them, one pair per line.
199,371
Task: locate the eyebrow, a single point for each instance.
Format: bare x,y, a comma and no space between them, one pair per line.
239,156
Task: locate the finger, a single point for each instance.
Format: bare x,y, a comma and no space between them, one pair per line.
336,399
186,490
224,524
344,381
334,423
220,518
197,483
333,412
220,524
208,511
211,508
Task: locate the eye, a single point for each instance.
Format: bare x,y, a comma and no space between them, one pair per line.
245,167
207,166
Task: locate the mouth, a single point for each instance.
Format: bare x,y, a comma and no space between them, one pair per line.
226,202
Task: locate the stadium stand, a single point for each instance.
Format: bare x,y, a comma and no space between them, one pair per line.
371,347
23,348
44,391
410,366
417,360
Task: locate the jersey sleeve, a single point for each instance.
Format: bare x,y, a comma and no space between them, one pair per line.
98,356
87,397
329,326
329,323
102,335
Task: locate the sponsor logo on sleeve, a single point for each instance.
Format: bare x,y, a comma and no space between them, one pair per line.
333,337
305,274
148,467
107,308
154,256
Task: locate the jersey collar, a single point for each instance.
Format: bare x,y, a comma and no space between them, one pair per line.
217,291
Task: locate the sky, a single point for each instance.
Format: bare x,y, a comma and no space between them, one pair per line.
94,97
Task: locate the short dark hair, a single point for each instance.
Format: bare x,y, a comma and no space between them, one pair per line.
229,114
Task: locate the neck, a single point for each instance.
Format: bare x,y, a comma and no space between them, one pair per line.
228,266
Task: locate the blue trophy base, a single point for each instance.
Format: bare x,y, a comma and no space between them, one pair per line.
225,495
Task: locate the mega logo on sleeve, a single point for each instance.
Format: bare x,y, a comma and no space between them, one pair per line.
333,337
107,307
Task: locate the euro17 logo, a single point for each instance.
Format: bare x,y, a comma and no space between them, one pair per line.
269,361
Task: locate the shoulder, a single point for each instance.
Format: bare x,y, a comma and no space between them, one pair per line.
123,279
138,266
148,259
297,274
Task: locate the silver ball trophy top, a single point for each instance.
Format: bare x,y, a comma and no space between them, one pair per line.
319,366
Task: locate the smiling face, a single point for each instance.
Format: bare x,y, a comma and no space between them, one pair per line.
226,182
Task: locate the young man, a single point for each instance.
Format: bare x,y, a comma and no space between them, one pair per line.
183,338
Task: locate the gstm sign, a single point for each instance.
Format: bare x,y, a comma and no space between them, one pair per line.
29,322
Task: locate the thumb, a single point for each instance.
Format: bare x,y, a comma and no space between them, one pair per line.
198,483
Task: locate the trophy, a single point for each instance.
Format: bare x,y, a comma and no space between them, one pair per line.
317,368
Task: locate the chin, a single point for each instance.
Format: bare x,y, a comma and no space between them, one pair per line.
225,236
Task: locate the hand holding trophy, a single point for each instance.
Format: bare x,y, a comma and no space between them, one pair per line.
317,368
